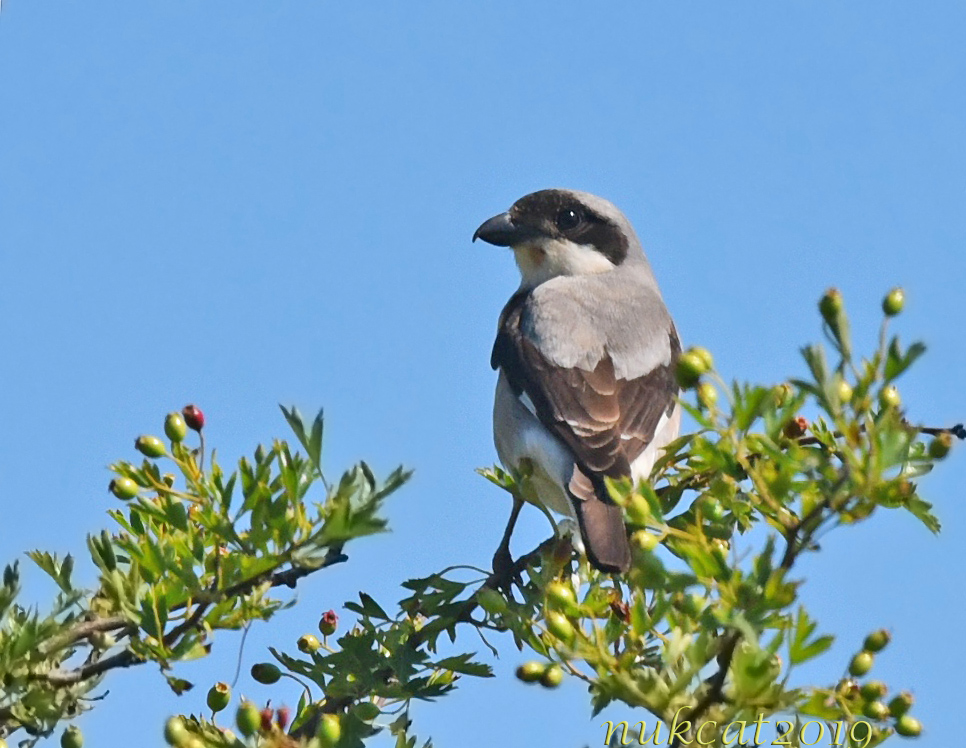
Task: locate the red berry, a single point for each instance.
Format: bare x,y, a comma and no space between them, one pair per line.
193,417
328,623
282,716
267,716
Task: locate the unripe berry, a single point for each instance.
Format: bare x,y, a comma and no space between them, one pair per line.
908,726
690,367
707,395
705,356
560,594
330,730
150,446
875,710
830,305
72,737
889,397
940,446
644,540
552,676
874,689
266,672
530,672
193,417
877,640
712,509
123,488
781,393
638,510
175,427
893,302
328,623
844,391
175,732
861,664
218,696
901,703
308,643
248,719
559,626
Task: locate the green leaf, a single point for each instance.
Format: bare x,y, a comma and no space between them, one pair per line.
922,510
179,685
897,361
462,664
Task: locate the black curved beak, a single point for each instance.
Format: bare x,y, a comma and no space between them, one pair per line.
503,232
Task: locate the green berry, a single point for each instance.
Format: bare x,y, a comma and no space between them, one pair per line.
72,737
781,393
875,710
330,730
645,540
707,395
530,672
712,509
150,446
175,732
560,594
908,726
861,664
901,703
889,397
690,367
560,626
266,672
552,676
877,640
248,719
704,355
218,696
874,689
844,391
940,446
893,302
831,305
308,643
175,427
123,488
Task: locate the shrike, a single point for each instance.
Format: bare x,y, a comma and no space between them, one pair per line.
586,352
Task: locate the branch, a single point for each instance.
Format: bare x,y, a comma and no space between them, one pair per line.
67,677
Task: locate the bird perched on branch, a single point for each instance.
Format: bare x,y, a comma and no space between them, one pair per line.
586,352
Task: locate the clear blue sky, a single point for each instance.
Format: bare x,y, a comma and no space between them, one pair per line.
251,203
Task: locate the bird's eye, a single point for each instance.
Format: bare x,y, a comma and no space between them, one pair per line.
567,219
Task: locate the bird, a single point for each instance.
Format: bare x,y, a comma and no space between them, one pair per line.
586,352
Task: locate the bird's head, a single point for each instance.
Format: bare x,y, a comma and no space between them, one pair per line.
562,232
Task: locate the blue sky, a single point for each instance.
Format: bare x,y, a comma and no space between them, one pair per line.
273,202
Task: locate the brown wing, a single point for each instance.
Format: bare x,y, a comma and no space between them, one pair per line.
606,423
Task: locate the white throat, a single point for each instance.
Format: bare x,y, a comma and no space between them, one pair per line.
548,258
